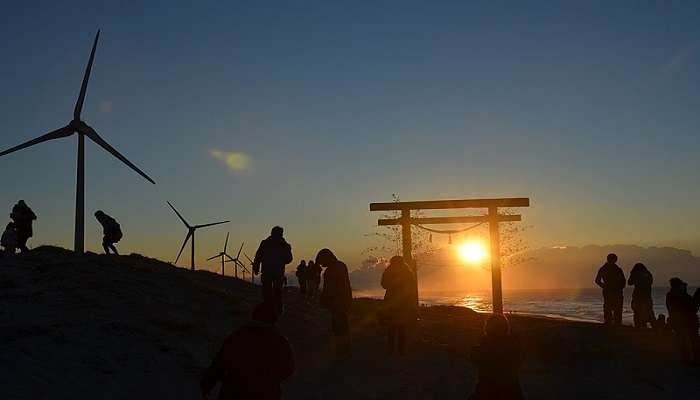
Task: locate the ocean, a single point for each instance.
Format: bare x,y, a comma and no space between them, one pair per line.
572,304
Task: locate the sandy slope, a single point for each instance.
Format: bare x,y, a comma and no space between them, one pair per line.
131,327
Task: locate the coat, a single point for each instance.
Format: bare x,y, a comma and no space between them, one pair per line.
9,239
274,253
23,216
682,311
400,305
110,227
337,292
611,278
642,302
251,364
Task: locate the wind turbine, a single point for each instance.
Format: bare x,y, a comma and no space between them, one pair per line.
190,234
223,254
237,262
76,125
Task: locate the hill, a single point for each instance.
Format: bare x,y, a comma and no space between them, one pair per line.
125,327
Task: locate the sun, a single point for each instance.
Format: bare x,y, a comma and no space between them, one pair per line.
472,252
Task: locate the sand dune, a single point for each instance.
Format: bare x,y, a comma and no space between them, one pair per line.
111,327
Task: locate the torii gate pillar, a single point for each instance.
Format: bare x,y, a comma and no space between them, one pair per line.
495,244
406,237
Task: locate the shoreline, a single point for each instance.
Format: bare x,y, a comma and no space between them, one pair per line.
553,317
582,305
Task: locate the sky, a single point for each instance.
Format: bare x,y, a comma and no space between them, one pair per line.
300,115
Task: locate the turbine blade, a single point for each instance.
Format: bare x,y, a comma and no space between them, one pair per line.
226,242
212,224
57,134
240,264
178,214
230,259
86,78
89,132
239,251
211,258
249,260
187,238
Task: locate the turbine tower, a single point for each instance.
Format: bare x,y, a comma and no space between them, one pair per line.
190,234
252,275
237,262
76,125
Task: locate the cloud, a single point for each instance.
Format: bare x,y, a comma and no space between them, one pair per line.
235,161
105,106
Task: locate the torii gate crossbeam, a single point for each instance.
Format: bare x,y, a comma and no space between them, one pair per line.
493,218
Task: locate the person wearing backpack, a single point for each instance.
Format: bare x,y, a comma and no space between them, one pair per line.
112,231
23,217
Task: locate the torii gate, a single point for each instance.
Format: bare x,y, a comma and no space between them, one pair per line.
493,218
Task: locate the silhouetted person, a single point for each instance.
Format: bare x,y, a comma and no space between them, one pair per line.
399,308
23,216
313,279
112,231
660,324
336,297
497,359
9,239
301,276
683,319
612,279
273,254
253,361
642,303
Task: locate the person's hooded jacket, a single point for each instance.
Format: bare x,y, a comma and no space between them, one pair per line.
400,305
337,292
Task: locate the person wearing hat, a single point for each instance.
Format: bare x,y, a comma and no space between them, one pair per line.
253,361
683,320
112,231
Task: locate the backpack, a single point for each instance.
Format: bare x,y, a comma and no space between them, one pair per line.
112,228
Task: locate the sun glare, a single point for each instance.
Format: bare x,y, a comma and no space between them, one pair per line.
472,252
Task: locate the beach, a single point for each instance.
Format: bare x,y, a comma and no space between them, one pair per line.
123,327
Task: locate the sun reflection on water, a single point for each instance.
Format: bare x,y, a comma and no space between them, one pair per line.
475,302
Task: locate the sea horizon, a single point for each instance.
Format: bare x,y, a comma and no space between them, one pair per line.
575,304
